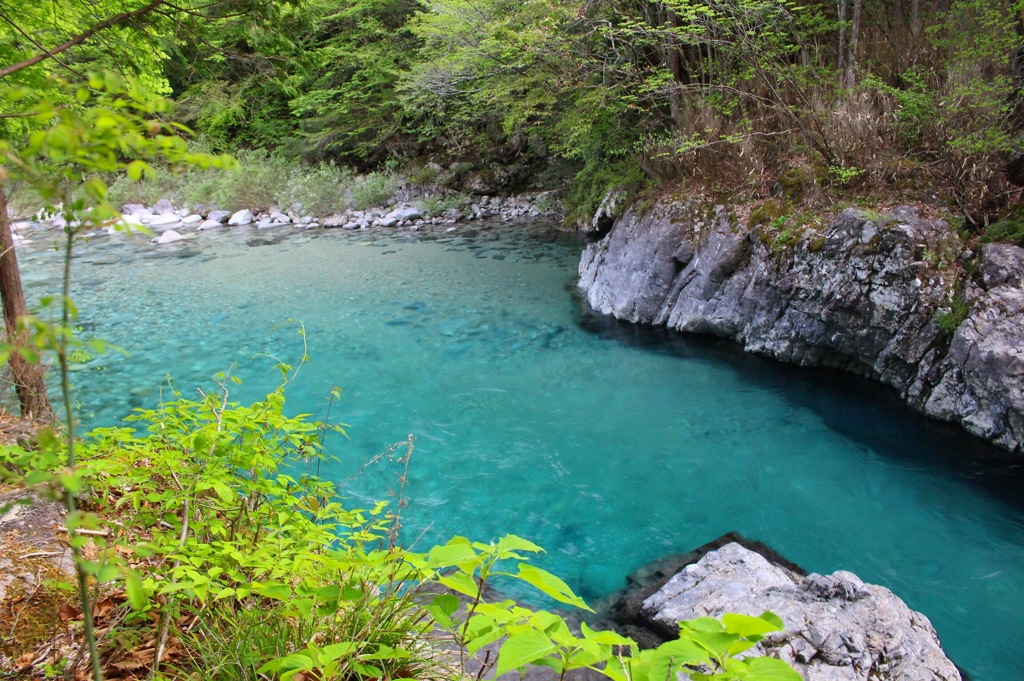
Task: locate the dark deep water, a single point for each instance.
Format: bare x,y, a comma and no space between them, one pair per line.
610,445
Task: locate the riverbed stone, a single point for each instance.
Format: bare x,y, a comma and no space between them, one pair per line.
837,628
242,217
863,294
209,224
162,221
405,213
168,237
129,221
218,215
163,207
135,209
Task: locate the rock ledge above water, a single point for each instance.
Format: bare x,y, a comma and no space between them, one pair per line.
837,627
875,295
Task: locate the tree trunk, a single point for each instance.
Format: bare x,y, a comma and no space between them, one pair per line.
674,60
841,53
28,376
1018,58
850,76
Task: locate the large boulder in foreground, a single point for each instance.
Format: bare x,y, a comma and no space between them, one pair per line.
883,296
837,627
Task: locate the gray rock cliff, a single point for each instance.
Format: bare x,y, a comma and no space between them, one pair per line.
866,294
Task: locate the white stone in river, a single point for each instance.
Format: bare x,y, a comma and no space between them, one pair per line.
242,217
162,220
406,213
191,219
209,224
168,237
163,207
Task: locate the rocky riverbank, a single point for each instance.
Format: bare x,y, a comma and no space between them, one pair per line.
893,297
169,223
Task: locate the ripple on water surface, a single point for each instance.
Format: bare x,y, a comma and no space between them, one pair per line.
609,445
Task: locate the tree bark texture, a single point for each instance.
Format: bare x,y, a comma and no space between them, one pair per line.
841,52
28,377
850,61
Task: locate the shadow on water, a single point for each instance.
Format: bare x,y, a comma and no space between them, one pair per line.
862,410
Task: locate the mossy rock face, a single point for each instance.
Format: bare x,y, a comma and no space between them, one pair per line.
816,244
767,212
1007,229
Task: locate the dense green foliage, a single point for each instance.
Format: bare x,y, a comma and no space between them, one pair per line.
916,98
610,92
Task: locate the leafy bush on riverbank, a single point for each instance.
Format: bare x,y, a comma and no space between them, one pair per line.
217,555
261,180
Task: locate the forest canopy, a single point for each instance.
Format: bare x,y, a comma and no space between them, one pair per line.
585,94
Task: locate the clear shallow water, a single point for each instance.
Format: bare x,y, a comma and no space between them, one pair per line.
608,445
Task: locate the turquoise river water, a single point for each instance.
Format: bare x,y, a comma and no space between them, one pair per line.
607,444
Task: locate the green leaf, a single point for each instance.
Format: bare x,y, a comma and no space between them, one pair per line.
702,624
461,582
135,170
521,649
607,638
443,607
226,494
336,651
747,626
134,591
511,542
289,663
667,659
368,670
226,592
551,585
458,551
771,617
770,669
275,590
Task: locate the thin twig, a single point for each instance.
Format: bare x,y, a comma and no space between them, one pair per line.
87,533
42,554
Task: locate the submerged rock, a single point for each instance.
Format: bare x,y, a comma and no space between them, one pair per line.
870,294
162,221
168,237
837,627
